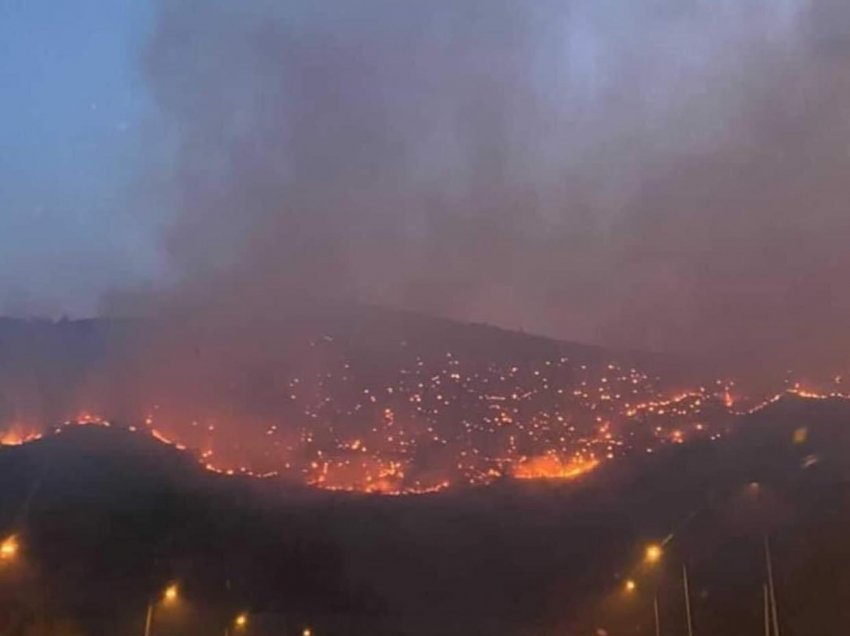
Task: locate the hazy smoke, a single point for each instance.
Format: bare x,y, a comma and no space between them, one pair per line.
667,174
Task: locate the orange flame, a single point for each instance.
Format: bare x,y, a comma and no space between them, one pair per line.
551,466
17,435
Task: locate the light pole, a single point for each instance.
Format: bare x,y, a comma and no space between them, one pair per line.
770,586
239,623
657,615
652,556
766,611
149,619
169,596
687,600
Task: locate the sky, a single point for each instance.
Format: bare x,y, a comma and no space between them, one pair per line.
664,175
73,110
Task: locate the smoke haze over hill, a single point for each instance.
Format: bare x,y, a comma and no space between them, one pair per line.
657,175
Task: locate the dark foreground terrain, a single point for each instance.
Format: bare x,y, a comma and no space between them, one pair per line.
106,518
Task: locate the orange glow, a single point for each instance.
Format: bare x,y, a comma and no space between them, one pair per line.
630,586
653,553
172,592
241,621
17,435
160,437
445,422
86,417
9,548
553,467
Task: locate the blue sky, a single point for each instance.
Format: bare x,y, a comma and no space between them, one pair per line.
73,111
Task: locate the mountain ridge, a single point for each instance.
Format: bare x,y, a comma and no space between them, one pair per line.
571,544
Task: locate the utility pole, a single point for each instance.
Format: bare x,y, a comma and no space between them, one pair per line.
657,615
766,611
149,619
687,600
771,588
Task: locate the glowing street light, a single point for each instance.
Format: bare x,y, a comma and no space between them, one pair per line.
169,597
653,553
630,586
9,548
307,632
241,621
172,592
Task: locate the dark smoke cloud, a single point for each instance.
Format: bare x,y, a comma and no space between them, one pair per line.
660,174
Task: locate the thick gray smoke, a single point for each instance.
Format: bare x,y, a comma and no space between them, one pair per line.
666,174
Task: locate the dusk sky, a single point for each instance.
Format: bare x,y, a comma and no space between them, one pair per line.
605,171
73,111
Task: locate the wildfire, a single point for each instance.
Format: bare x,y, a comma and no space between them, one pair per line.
553,467
17,435
437,421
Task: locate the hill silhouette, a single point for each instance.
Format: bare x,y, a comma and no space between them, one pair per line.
106,516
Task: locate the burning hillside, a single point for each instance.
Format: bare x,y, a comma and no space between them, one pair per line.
421,409
565,552
426,405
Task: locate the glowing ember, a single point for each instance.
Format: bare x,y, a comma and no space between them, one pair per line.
438,421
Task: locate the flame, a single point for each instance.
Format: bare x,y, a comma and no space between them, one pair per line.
353,469
18,435
550,466
470,425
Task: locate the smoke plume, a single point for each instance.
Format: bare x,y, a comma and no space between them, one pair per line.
664,174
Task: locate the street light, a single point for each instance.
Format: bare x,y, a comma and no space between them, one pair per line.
307,632
171,593
169,597
9,548
653,553
239,624
631,586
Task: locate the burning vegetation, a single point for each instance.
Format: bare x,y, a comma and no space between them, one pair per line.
417,419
